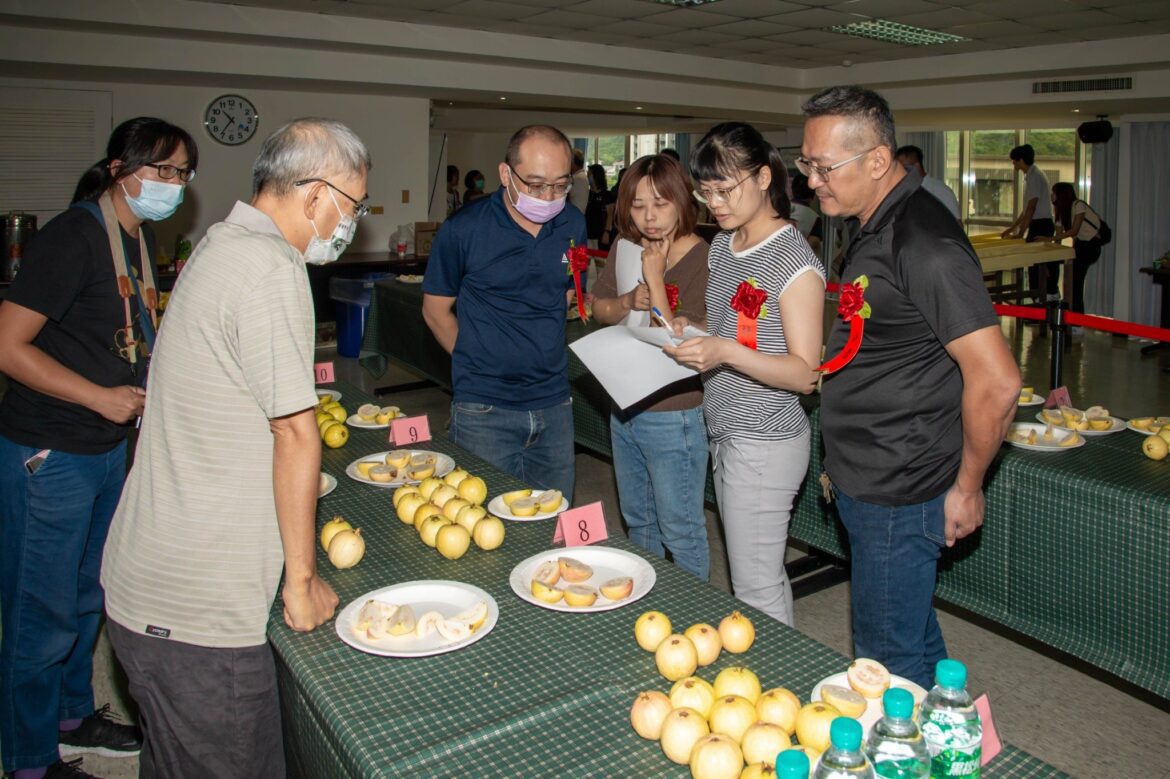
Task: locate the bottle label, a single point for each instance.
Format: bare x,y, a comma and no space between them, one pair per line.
954,743
955,762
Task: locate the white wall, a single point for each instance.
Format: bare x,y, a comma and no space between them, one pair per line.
393,128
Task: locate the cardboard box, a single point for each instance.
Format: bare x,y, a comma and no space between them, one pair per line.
424,235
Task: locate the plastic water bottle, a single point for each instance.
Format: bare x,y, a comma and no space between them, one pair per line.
792,764
895,745
844,758
950,723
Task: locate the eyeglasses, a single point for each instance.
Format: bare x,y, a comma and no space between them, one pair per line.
808,168
540,190
713,197
360,209
168,172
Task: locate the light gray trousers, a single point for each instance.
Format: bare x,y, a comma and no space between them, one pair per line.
755,485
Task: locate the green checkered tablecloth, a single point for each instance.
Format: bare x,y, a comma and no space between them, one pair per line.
1075,552
543,693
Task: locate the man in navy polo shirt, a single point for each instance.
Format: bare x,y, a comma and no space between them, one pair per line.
503,260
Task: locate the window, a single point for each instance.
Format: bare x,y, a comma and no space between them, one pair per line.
614,152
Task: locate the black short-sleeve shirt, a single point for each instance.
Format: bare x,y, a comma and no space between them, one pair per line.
891,417
67,275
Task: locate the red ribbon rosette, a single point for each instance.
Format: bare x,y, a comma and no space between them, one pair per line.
749,304
852,308
672,297
578,266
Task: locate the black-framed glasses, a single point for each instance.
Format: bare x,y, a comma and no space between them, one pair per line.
168,172
540,190
712,197
360,209
808,168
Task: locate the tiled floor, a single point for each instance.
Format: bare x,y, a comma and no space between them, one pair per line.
1060,711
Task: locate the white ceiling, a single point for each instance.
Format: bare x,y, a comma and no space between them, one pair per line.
772,32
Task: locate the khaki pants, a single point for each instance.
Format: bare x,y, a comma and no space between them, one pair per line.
755,485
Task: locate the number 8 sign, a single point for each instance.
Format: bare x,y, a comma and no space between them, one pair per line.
581,526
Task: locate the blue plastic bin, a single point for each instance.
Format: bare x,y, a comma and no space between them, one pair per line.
351,298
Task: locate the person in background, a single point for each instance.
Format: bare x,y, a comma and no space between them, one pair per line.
453,201
473,182
599,210
579,194
503,260
910,157
807,221
765,296
906,467
1081,223
672,154
660,443
1036,218
222,498
75,351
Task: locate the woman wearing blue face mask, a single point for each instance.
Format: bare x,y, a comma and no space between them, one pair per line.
75,335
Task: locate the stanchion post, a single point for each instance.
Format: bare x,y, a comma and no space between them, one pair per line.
1056,311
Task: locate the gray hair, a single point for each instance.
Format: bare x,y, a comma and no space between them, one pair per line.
866,110
304,149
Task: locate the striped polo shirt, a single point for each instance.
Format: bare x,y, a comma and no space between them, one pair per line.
194,552
735,405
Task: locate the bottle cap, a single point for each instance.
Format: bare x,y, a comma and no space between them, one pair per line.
898,703
950,673
792,764
845,734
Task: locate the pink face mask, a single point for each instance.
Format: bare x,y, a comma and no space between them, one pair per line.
533,208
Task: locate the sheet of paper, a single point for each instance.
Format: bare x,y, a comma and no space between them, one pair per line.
628,368
629,274
660,336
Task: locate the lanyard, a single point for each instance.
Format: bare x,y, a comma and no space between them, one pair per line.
128,285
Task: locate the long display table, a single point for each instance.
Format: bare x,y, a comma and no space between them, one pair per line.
542,693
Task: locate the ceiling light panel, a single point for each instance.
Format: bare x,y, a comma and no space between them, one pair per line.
893,32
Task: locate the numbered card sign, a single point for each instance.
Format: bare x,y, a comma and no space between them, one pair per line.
991,742
581,526
408,431
323,373
1057,398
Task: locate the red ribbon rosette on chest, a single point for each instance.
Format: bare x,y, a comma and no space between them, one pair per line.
852,308
749,304
578,267
672,297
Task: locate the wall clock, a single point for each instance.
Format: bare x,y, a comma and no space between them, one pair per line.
231,119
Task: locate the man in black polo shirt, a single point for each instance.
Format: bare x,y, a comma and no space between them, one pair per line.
503,258
911,424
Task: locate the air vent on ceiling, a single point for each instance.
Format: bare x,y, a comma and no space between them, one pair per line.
1081,85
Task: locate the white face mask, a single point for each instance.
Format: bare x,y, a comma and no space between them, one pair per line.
325,250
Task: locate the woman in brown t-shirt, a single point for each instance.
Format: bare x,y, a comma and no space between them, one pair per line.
660,444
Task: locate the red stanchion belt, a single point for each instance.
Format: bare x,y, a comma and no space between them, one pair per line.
1073,318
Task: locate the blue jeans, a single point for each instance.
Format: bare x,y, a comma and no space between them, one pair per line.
660,458
53,526
534,446
894,552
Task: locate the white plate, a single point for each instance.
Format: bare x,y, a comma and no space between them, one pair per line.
1059,432
1116,426
356,421
330,485
497,508
1129,426
1037,400
447,597
331,393
873,711
443,466
606,563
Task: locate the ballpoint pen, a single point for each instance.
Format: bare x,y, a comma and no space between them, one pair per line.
658,315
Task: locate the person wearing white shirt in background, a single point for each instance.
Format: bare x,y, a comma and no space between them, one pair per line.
910,157
579,194
1036,218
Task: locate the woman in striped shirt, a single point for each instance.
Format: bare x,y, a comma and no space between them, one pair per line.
765,297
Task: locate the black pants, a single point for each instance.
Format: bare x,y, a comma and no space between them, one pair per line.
205,712
1087,252
1043,228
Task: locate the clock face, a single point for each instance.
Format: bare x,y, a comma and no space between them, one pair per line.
231,119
